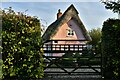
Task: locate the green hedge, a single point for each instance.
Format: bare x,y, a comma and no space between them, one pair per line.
1,68
21,41
111,49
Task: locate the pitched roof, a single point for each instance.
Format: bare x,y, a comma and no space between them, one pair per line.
70,13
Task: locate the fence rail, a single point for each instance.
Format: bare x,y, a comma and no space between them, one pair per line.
83,64
78,65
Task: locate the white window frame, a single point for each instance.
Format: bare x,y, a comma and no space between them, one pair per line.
70,32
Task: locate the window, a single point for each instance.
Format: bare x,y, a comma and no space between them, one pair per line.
55,41
70,32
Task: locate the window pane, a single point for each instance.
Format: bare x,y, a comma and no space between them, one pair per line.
70,32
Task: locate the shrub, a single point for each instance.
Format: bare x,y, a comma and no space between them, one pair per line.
21,54
1,68
111,49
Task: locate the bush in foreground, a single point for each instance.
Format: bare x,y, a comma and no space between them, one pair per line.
21,54
111,49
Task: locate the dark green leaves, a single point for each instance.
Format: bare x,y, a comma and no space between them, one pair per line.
111,49
114,6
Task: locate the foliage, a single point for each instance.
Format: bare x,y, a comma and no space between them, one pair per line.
0,44
67,59
112,5
111,49
1,68
21,54
95,34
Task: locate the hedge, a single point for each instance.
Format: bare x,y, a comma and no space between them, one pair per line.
21,42
111,49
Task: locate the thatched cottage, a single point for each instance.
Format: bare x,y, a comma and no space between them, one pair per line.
68,29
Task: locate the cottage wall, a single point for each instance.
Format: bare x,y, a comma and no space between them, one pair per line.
62,33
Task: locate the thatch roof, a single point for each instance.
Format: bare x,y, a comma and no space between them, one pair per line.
70,13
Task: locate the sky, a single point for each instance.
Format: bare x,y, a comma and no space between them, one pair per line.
92,14
49,0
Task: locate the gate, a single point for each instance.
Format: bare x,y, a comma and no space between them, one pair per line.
76,59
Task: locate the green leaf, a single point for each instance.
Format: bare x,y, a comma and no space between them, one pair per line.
24,65
19,42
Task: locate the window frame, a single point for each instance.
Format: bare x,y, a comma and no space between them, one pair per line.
70,32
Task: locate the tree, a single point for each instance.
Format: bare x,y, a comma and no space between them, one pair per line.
111,49
95,34
21,42
112,5
110,43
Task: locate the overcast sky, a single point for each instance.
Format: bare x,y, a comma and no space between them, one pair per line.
92,14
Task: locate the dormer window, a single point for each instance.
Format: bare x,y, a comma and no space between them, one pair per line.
70,32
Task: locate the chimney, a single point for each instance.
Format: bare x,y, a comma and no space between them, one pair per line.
59,14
